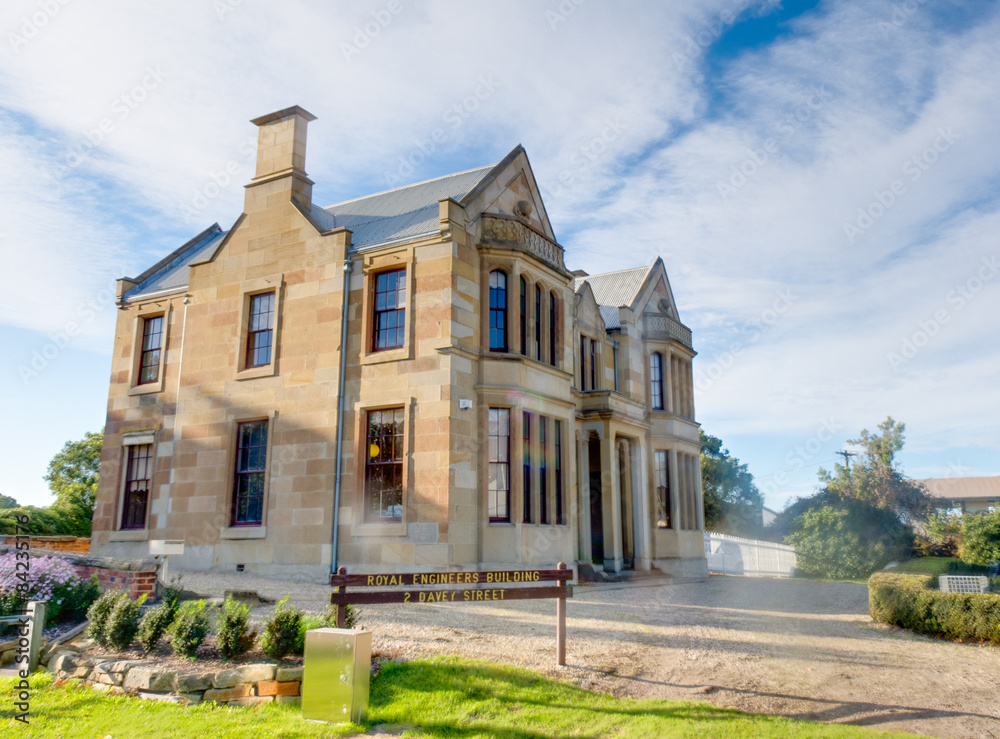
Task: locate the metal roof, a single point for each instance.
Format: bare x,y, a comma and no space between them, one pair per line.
171,273
398,214
613,290
963,488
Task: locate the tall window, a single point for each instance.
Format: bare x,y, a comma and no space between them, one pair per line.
498,311
552,329
526,465
538,323
152,342
251,463
384,469
662,490
656,381
543,461
261,330
593,364
524,318
583,362
559,480
389,326
499,479
614,362
138,474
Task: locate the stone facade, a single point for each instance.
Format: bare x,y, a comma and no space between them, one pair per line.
231,446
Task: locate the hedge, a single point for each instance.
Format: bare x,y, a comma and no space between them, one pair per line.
910,602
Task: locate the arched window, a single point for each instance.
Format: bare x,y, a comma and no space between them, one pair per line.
498,311
552,329
656,381
524,318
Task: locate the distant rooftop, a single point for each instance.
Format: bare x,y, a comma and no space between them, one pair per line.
963,488
613,290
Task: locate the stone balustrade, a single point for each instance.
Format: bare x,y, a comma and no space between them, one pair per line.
510,233
661,327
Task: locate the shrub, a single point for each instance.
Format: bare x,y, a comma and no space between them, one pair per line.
846,541
190,627
78,598
941,535
122,624
99,613
171,595
282,630
352,618
154,625
49,579
233,636
980,537
908,601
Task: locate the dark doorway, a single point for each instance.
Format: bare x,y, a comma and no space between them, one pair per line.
596,508
625,492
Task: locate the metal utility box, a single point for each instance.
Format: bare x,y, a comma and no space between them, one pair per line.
336,675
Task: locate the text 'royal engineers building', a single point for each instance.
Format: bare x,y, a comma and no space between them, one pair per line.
489,407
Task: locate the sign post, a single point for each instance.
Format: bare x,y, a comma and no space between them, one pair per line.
485,586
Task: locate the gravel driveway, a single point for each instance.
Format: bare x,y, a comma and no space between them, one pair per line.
795,648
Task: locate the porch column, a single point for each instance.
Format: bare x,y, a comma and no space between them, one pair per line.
611,504
642,502
675,491
583,487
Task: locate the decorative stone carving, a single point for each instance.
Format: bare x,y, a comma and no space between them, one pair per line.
512,234
658,326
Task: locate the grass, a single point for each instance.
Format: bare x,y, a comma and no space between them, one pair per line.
925,566
440,697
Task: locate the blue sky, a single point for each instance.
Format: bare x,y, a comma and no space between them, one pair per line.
820,178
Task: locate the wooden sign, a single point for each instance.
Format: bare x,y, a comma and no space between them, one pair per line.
500,580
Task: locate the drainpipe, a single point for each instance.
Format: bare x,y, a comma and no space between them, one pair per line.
340,414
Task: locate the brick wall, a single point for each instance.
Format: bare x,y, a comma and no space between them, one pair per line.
136,582
54,543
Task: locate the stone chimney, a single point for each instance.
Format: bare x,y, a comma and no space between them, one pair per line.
281,160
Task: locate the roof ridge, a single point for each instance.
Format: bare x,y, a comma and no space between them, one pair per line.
406,187
617,272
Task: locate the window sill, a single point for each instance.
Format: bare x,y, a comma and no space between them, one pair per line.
386,355
379,529
129,535
268,370
243,532
147,388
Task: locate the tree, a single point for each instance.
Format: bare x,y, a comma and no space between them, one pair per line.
733,503
876,477
7,502
980,537
73,475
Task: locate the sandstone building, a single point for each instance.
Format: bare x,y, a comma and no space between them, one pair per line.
424,357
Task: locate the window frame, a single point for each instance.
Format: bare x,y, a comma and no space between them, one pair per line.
553,329
526,467
543,470
538,322
250,347
524,316
145,313
500,311
369,466
557,463
504,462
234,496
401,286
250,290
656,397
665,504
144,351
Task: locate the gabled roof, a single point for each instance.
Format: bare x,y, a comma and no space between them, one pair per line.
615,289
403,213
963,488
171,272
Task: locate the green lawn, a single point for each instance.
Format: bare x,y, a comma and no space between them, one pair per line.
435,698
925,565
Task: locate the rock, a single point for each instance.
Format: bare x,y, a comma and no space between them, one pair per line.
162,697
294,700
288,673
255,673
102,674
251,700
7,657
191,682
143,678
227,694
225,679
62,662
190,699
272,687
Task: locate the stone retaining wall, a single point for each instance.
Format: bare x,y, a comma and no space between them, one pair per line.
240,685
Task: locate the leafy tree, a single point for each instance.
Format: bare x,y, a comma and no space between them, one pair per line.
7,502
940,535
980,537
733,504
876,477
73,476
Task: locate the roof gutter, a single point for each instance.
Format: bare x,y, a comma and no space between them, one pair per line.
348,268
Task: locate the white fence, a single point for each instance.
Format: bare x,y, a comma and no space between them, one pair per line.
731,555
